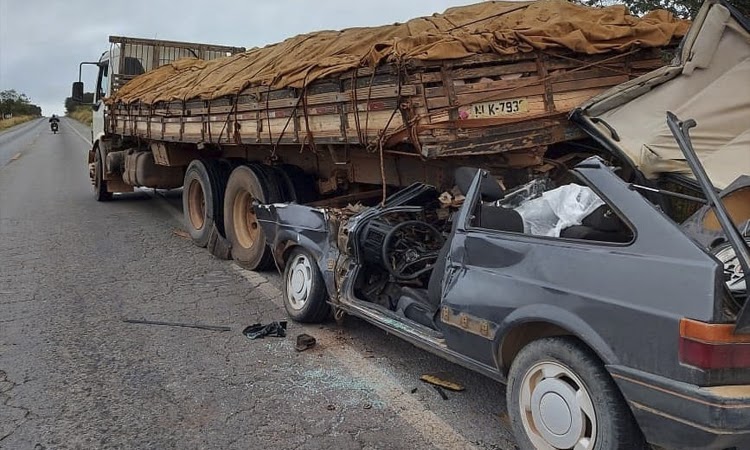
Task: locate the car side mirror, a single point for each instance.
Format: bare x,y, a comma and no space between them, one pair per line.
77,94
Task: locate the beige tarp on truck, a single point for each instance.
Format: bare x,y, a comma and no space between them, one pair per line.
488,27
709,82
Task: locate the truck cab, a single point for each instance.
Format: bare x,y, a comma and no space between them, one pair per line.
129,57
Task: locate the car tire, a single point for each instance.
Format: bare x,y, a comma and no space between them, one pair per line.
249,248
101,194
552,376
303,288
198,202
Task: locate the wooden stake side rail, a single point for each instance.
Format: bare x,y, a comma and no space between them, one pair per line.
481,105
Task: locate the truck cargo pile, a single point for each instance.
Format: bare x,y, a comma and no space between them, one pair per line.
488,78
346,116
501,28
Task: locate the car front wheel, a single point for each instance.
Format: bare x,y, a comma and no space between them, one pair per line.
304,289
561,397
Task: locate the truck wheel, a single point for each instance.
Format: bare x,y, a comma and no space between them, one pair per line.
249,247
560,397
100,185
304,289
198,202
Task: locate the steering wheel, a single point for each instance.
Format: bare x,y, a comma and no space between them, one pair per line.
410,249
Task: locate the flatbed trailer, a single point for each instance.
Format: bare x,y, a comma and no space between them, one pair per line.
353,132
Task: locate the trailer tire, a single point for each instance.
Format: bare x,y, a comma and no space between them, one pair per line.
198,202
249,249
100,184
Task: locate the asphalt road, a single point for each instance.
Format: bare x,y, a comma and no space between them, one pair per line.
74,375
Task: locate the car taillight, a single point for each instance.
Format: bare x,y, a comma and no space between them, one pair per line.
713,345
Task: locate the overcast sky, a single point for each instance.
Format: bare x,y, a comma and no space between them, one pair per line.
42,42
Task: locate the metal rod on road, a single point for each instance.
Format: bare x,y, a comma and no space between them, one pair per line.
174,324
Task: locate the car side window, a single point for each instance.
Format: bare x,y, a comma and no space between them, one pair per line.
540,208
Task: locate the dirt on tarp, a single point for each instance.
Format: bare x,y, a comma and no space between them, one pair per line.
489,27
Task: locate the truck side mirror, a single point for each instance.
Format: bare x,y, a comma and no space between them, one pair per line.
78,91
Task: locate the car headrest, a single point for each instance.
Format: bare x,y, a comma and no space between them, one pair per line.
490,188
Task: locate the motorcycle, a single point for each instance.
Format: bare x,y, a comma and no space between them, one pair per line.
53,126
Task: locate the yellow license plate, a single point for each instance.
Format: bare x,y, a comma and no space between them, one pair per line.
499,108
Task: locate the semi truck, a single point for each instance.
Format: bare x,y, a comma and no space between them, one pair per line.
338,117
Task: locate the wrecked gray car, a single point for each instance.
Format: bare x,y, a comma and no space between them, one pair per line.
577,314
613,322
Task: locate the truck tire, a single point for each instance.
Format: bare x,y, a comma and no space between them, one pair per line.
101,194
245,184
560,396
198,202
303,288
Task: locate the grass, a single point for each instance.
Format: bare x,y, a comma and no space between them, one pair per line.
83,115
7,123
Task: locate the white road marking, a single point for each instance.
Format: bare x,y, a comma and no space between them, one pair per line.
176,214
85,139
430,426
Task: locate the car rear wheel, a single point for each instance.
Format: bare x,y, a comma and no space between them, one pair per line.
560,397
304,289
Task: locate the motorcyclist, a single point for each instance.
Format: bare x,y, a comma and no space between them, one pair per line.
54,123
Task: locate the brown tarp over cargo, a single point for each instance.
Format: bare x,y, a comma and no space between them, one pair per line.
488,27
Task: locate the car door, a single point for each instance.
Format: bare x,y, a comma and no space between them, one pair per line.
585,286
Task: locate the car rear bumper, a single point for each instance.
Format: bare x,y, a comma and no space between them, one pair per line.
673,414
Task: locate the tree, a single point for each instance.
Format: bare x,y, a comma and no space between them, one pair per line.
71,105
685,9
13,103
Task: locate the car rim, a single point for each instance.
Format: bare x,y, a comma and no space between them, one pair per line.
245,222
299,282
556,409
196,204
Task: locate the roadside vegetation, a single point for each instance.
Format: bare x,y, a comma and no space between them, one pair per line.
80,111
82,114
13,121
16,108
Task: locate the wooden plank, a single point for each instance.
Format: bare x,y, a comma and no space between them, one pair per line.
590,83
567,101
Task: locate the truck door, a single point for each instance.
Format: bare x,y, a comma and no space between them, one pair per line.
102,91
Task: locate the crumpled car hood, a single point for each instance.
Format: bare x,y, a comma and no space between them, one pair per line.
707,82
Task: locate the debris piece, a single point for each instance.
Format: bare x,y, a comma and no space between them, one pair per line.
451,200
331,407
174,324
181,233
304,341
440,380
414,390
441,392
218,245
259,331
367,406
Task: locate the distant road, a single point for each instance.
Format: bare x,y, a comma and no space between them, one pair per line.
15,140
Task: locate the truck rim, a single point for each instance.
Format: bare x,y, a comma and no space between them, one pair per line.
196,204
556,409
299,282
245,222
